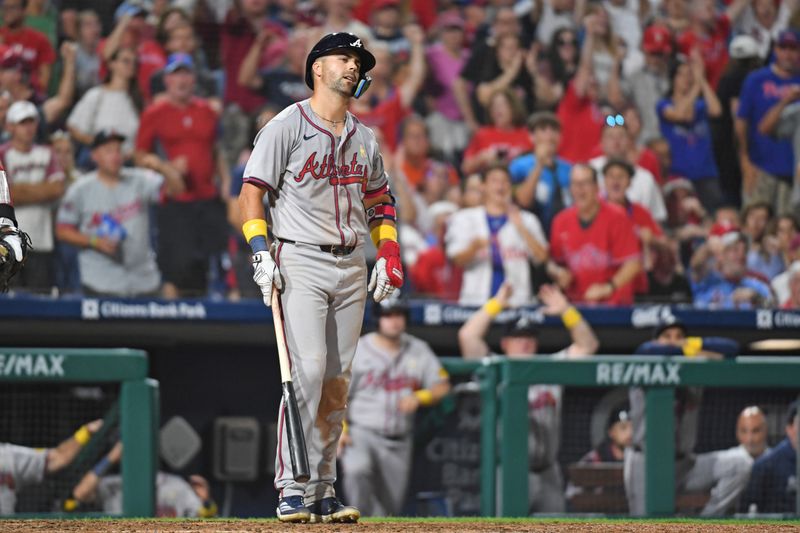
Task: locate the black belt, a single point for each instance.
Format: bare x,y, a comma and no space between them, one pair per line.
335,249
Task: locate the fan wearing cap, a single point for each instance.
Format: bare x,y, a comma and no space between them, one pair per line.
773,481
34,45
106,215
520,340
323,174
178,138
394,375
767,163
725,474
36,181
719,273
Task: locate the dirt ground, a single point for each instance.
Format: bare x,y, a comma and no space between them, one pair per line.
421,526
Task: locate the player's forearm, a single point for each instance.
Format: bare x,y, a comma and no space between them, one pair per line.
471,335
439,391
254,227
584,341
64,453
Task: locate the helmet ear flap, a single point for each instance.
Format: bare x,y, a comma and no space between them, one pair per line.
362,85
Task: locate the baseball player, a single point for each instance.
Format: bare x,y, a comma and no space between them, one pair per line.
545,481
327,189
394,374
725,473
21,466
14,243
175,496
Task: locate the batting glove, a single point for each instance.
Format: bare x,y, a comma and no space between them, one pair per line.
266,274
12,241
387,275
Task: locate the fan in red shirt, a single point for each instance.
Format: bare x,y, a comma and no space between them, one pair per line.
177,136
506,138
595,253
617,175
33,45
581,118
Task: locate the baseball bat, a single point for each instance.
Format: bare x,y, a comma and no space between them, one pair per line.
294,426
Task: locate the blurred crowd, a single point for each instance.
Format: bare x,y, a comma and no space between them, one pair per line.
627,150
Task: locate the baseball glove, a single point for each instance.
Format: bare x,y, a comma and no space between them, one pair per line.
10,264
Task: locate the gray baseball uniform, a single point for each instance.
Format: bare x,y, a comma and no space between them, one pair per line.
317,183
19,466
377,463
724,472
85,204
174,496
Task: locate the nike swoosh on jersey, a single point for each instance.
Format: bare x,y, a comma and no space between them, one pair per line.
307,137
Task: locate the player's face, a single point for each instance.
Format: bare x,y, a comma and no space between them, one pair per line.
108,157
617,182
519,347
672,336
392,325
751,432
340,72
621,433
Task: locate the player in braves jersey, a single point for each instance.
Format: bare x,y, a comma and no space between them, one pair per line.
21,466
327,191
14,243
394,374
520,341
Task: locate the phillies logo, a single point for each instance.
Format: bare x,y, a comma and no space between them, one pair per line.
353,172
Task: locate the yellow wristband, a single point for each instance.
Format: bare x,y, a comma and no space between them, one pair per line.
254,228
692,346
93,241
424,396
208,510
493,307
345,427
82,435
70,504
381,232
571,317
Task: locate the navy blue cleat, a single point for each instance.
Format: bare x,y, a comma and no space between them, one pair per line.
332,510
292,509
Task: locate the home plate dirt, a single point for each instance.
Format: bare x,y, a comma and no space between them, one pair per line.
420,526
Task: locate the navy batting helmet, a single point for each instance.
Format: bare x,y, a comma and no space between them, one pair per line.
336,42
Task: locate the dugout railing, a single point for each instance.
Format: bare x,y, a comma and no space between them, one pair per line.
138,407
504,386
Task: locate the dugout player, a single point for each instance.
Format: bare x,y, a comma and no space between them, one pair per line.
21,466
394,374
520,340
14,243
175,496
327,190
725,474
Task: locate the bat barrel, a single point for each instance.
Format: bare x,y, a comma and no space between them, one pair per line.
294,430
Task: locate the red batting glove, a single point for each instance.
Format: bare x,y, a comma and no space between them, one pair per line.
390,250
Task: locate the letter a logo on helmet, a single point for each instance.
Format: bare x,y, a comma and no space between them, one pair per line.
357,43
